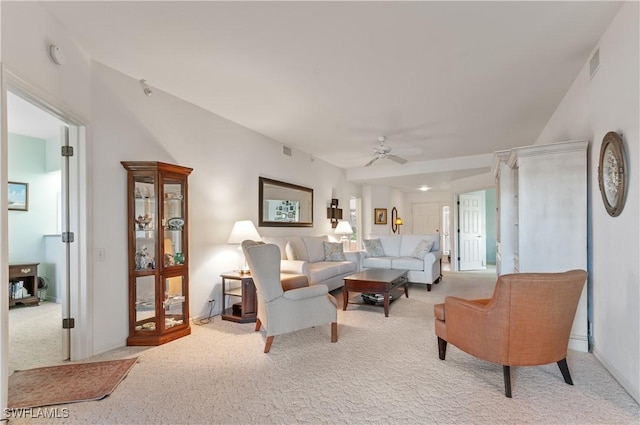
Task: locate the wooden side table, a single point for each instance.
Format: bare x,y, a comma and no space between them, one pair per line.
25,275
244,311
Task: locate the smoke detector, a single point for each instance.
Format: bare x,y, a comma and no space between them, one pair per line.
56,54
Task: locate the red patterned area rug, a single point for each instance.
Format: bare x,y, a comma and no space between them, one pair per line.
45,386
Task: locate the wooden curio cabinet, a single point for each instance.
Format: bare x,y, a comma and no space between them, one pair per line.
158,252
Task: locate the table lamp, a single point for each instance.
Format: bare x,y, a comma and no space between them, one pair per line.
243,230
344,228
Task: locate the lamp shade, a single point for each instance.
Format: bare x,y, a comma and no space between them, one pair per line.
398,221
243,230
344,228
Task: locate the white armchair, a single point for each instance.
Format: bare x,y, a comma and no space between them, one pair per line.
286,311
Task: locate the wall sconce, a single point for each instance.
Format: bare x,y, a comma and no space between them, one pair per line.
334,214
396,221
398,224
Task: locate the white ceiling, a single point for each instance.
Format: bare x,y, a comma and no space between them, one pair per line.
439,79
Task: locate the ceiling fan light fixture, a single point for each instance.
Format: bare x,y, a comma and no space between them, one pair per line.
384,152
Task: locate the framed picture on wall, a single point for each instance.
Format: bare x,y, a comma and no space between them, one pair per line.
18,196
379,216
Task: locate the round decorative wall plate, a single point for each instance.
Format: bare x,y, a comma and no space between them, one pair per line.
612,173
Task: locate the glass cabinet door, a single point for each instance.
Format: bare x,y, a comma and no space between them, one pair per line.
145,296
174,301
146,233
174,222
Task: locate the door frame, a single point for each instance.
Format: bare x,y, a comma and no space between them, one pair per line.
80,268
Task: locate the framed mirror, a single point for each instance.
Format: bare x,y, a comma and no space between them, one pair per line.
284,204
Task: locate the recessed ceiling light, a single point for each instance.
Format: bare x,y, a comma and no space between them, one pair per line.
424,188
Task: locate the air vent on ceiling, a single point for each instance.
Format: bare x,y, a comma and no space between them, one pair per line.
594,63
286,150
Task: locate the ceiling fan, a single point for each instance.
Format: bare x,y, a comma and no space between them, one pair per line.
382,151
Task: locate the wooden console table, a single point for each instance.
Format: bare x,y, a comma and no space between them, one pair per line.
26,273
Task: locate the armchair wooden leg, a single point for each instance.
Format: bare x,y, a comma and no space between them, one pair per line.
334,331
442,348
258,324
507,380
562,364
267,346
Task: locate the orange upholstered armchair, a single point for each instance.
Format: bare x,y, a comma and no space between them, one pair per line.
527,322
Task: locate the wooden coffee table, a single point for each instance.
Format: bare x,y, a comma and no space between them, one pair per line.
375,281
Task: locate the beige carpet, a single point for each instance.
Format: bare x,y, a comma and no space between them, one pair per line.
70,383
35,336
381,370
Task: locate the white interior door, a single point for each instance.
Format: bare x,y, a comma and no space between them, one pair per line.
472,233
425,218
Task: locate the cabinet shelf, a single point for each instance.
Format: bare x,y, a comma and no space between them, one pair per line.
236,292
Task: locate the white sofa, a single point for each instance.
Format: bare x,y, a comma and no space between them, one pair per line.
311,262
399,254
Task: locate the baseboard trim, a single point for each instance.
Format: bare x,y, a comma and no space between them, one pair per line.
618,376
578,343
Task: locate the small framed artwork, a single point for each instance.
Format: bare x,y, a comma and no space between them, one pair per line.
380,216
18,196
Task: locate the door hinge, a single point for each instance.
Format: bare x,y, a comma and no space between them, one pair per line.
67,150
68,323
67,237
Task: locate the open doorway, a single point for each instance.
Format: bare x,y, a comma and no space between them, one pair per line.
35,248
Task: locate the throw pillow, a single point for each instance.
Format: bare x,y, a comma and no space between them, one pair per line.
423,248
291,252
373,247
333,251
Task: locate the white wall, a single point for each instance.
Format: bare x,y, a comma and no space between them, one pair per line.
590,109
27,30
376,196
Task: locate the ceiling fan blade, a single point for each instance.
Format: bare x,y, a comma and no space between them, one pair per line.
372,161
397,159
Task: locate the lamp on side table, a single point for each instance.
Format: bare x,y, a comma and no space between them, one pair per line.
243,230
344,228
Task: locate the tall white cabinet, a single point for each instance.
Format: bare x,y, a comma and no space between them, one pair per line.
542,215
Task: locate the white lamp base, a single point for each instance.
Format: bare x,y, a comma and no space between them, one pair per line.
243,267
345,243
